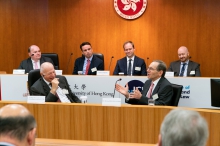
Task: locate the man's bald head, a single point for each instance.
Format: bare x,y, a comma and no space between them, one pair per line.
183,54
17,125
12,110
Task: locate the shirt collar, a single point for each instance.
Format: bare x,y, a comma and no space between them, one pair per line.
132,58
187,62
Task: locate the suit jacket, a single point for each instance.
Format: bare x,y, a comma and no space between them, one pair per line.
96,62
28,66
192,66
164,90
121,66
41,88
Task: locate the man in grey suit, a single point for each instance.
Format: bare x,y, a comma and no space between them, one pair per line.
50,85
184,67
156,87
35,59
131,64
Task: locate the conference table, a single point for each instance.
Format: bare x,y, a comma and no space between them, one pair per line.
94,122
196,92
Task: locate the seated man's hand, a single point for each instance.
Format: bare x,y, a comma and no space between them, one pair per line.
122,90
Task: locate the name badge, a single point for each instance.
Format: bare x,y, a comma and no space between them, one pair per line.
192,72
155,96
138,68
94,69
65,91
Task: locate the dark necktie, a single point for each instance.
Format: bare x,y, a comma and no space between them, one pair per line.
183,69
129,67
87,66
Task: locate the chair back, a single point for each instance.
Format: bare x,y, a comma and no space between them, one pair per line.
54,57
177,90
33,76
100,56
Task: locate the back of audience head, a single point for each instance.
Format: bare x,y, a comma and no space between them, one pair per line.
17,125
183,127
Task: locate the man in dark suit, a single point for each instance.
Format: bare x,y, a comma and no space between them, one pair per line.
88,64
156,87
131,64
184,67
55,88
35,59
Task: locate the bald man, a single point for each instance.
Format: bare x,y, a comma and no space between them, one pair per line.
35,59
184,67
17,126
50,85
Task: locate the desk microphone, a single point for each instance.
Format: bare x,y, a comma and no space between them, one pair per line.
68,62
110,62
115,84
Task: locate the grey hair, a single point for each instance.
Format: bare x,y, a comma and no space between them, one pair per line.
161,66
184,128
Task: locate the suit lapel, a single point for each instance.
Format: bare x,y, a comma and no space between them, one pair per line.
46,88
189,68
157,87
124,61
30,65
178,67
148,83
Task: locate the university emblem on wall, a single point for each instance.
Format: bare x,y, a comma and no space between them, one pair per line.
130,9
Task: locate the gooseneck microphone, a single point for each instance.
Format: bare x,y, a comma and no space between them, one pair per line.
68,62
115,85
147,62
110,63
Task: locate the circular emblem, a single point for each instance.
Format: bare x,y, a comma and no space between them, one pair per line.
130,9
133,84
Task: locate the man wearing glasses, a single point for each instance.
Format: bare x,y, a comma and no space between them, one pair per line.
157,87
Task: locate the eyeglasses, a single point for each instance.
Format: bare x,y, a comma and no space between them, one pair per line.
150,68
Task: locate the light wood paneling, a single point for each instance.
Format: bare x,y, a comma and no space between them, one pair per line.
62,25
61,142
92,122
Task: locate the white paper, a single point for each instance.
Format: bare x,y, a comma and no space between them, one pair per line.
169,74
59,72
18,71
103,73
111,101
36,99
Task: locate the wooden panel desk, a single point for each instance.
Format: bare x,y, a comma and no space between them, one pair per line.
129,123
61,142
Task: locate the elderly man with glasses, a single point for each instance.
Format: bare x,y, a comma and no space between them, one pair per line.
157,87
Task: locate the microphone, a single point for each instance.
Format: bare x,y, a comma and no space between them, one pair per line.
147,62
69,61
110,63
115,84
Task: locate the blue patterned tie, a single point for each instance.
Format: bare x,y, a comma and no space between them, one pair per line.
182,70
